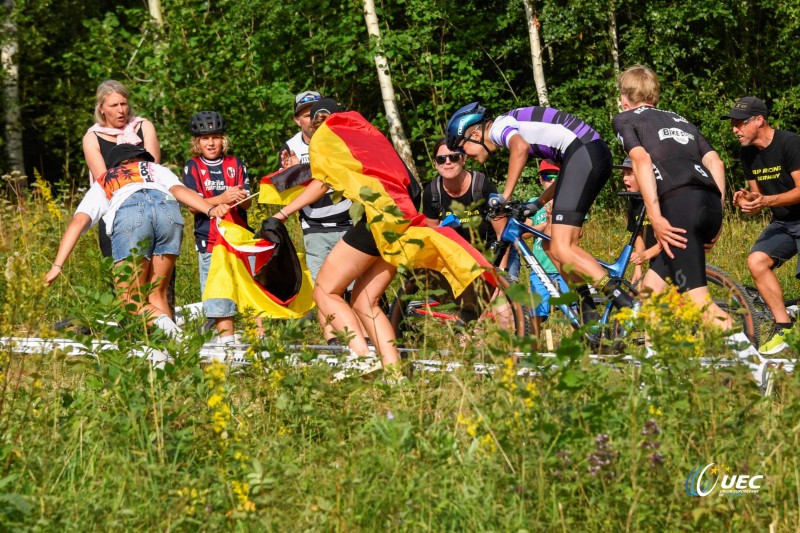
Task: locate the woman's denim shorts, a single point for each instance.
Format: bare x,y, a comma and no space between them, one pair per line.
149,222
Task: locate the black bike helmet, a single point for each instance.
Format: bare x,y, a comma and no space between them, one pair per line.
206,123
467,116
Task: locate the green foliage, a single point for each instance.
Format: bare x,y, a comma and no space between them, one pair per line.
110,443
246,60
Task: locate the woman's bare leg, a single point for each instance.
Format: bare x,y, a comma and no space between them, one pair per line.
130,290
367,293
343,265
161,267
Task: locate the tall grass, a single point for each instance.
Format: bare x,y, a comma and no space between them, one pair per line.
111,443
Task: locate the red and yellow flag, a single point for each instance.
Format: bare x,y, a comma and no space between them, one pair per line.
283,186
352,156
235,259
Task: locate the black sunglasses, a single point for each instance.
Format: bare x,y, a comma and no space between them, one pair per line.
442,159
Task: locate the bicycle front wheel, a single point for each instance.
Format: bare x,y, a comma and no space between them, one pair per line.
424,317
732,298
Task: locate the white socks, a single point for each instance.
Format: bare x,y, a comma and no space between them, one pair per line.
168,326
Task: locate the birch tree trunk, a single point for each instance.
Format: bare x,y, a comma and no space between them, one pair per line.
536,53
396,132
612,36
613,40
154,6
13,113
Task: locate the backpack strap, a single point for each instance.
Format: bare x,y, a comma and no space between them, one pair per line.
478,178
436,194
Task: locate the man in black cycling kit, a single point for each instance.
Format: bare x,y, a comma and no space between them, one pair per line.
682,182
771,166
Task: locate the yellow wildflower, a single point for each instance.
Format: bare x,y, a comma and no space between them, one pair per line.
487,443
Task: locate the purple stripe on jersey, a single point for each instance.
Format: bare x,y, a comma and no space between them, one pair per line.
506,132
550,115
543,151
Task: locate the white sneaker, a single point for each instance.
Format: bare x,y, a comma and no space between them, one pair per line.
741,346
356,364
157,358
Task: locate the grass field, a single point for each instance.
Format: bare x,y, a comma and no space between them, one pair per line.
111,444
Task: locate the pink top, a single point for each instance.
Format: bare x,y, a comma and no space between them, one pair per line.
126,135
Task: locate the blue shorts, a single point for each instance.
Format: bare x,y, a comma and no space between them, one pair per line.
213,307
149,223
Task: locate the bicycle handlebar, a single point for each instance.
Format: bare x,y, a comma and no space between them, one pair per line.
498,206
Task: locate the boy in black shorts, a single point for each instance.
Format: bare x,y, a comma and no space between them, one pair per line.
682,181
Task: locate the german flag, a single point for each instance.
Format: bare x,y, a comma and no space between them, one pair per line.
236,259
350,155
283,186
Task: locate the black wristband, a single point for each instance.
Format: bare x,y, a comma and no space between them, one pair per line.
208,213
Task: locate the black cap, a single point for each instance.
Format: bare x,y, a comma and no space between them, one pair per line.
123,152
746,107
626,165
328,105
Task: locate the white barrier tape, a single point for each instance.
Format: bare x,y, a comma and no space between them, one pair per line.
234,354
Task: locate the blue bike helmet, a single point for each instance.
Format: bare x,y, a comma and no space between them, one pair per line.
467,116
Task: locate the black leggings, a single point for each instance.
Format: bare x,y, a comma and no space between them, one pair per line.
699,212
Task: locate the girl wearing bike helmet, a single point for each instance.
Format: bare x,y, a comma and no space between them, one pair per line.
222,180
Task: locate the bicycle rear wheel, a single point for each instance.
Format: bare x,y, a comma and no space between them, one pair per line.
733,298
423,317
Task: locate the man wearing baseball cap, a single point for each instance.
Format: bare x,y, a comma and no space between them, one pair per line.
771,166
297,146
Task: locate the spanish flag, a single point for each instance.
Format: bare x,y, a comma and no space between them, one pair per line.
350,155
283,186
236,261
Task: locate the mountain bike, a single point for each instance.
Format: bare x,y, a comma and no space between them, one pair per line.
408,312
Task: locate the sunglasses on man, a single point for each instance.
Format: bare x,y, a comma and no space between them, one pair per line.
455,157
307,99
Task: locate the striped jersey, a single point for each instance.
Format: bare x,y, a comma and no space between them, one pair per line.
549,131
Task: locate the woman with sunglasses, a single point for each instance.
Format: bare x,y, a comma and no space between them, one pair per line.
468,188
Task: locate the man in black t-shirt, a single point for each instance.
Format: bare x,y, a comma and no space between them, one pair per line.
771,165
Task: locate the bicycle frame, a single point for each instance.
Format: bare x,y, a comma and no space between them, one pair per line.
513,235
